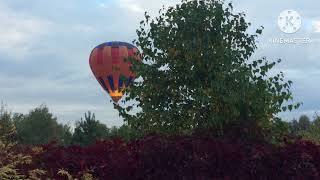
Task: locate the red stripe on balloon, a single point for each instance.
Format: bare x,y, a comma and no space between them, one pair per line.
115,52
107,55
130,52
115,61
100,56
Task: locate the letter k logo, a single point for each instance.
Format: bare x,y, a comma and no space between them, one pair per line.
289,21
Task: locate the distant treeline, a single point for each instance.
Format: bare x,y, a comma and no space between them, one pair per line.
39,126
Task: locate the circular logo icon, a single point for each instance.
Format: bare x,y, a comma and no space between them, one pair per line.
289,21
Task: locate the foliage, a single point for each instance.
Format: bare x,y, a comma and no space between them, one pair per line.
65,135
306,128
10,158
64,173
89,130
8,131
302,125
196,73
278,131
40,127
124,132
180,157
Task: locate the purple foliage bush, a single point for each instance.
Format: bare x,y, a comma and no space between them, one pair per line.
182,157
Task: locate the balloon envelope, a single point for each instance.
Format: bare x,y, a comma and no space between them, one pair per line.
107,62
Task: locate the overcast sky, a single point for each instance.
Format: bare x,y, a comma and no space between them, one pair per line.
45,45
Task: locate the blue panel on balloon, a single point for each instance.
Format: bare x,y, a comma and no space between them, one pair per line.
103,84
111,83
116,44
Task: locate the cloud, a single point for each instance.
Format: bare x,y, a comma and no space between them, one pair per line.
84,28
19,32
103,5
316,26
67,97
131,5
140,6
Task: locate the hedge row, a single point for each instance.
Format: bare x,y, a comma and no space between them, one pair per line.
181,157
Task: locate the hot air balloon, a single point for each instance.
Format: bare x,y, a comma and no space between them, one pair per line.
107,62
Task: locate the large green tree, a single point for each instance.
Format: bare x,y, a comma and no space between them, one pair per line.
40,127
196,72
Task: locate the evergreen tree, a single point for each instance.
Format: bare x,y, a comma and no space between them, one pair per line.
89,130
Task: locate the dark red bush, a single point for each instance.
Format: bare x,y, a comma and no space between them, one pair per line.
182,157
